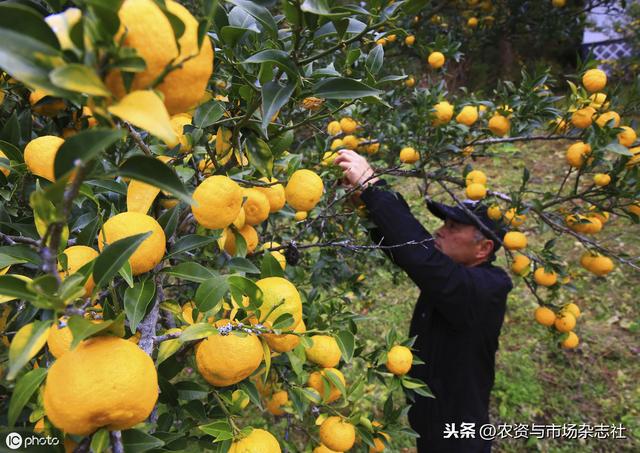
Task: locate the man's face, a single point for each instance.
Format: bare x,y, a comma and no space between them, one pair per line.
460,242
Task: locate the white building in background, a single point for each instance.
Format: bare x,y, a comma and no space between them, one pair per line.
600,38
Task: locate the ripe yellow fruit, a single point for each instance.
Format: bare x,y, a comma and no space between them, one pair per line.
634,208
512,218
381,42
601,179
324,351
436,60
275,253
219,201
304,190
150,252
476,177
277,401
337,143
410,82
225,360
627,137
59,338
281,293
323,449
178,122
51,107
494,212
467,151
274,193
514,240
337,434
602,216
520,265
333,128
598,100
350,142
316,381
40,155
565,322
576,154
399,360
499,125
348,125
145,28
544,278
187,313
443,113
248,233
78,256
583,118
104,382
256,206
476,191
545,316
3,170
259,441
391,38
571,342
327,159
410,40
573,309
594,80
300,216
472,22
285,342
558,3
607,117
409,155
600,265
468,115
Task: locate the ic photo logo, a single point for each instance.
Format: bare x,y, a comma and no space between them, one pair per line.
15,441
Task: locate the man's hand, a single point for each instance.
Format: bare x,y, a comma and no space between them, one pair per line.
357,171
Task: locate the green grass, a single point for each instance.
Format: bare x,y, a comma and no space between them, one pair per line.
536,381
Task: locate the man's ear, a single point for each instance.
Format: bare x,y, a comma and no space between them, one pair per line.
486,248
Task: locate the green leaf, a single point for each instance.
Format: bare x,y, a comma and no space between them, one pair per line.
347,343
279,57
260,155
208,113
136,301
166,349
210,293
239,264
274,96
113,257
375,59
155,172
25,20
11,151
190,271
270,267
333,379
25,387
6,260
319,7
15,287
190,242
231,35
26,343
82,147
197,332
220,430
618,149
80,79
343,88
259,13
134,440
242,286
82,328
100,440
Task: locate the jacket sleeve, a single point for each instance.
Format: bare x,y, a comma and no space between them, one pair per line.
449,285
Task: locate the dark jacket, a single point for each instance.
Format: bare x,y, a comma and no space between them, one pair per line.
457,321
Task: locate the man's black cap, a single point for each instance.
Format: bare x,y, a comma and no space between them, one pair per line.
457,214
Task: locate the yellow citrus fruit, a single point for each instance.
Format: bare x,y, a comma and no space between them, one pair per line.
219,201
472,22
78,256
59,338
601,265
576,154
285,342
520,265
573,309
317,381
150,252
476,191
104,382
499,125
323,449
258,441
145,28
409,155
40,155
604,119
494,212
436,60
627,137
583,118
601,179
5,171
544,278
558,3
51,107
337,434
468,115
239,221
514,240
399,360
571,341
594,80
545,316
304,190
512,218
443,113
467,151
333,128
178,122
279,296
350,142
324,351
275,194
328,157
256,206
225,360
410,40
598,100
337,143
565,322
277,401
248,233
348,125
476,177
410,82
300,216
392,38
275,253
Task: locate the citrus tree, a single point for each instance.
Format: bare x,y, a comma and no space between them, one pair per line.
177,246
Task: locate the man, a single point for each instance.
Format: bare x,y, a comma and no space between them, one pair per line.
460,310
